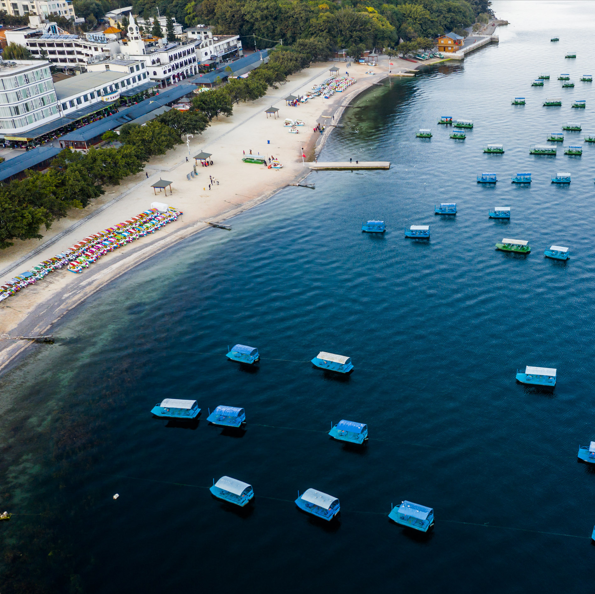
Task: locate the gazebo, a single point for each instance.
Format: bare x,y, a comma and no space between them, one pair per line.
334,70
290,98
202,156
162,184
272,111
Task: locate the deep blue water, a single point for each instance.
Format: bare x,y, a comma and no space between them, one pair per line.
436,333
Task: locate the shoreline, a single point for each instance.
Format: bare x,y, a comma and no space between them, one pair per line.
59,293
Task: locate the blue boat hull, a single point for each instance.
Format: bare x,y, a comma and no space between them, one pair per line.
370,230
316,511
356,438
244,360
497,216
583,455
419,525
177,414
532,380
410,235
444,212
233,423
520,181
561,182
330,366
553,256
230,498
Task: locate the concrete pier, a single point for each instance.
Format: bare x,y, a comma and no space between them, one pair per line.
347,166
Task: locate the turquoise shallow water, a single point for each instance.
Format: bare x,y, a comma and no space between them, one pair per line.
436,333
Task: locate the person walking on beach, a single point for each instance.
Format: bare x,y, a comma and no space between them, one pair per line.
244,152
250,151
147,174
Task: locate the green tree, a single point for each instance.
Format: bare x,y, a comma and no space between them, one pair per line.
169,25
213,103
13,51
156,31
184,122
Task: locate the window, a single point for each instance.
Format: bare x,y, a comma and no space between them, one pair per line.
85,98
92,94
78,100
71,103
64,106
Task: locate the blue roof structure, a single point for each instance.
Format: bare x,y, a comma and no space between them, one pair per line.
26,161
239,67
242,348
140,89
128,115
61,122
415,510
231,411
351,426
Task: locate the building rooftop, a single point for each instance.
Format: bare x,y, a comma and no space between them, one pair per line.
118,11
11,67
27,160
85,82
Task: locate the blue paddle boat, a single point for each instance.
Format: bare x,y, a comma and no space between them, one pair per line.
487,178
374,227
522,178
331,362
413,515
418,232
243,354
500,212
557,252
587,453
233,491
350,431
561,178
227,416
319,504
446,208
172,408
537,376
446,120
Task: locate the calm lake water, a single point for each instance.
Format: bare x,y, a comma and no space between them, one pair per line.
436,333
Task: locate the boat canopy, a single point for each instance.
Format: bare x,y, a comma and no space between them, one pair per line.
592,446
587,76
319,498
523,174
576,147
245,350
232,485
334,358
580,101
448,204
351,426
557,134
375,223
540,371
519,98
501,208
464,121
516,242
175,403
421,512
230,411
558,248
573,125
424,130
419,228
555,99
496,146
544,147
563,174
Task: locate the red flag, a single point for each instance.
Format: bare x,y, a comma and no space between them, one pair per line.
304,155
391,64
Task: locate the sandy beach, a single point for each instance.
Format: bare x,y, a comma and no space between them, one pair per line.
240,186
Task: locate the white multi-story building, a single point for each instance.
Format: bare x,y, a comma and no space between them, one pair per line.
166,64
41,8
27,96
213,48
80,91
67,51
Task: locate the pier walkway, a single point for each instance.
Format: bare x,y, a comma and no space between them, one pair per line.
347,166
